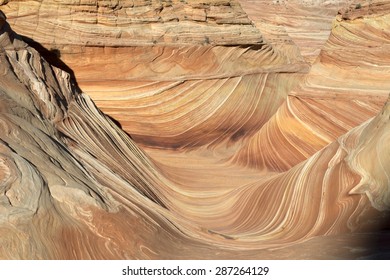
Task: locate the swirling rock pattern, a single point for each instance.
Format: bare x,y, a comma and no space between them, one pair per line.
234,150
210,75
347,85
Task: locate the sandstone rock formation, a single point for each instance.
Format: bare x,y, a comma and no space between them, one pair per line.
237,145
232,62
346,85
303,24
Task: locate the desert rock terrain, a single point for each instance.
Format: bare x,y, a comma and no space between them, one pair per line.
216,129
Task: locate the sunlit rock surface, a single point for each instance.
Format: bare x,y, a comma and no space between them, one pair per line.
173,79
249,145
303,24
347,84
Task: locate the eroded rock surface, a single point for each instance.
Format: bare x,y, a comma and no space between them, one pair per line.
236,146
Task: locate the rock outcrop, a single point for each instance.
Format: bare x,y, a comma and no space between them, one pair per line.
131,72
295,23
235,147
347,85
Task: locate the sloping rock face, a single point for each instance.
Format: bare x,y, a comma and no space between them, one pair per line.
213,61
346,85
242,150
50,197
304,24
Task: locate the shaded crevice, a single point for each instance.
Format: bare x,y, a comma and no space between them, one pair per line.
53,58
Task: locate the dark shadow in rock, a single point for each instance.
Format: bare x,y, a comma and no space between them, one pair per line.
379,243
118,124
53,57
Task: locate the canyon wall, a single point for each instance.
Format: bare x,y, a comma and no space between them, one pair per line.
191,130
